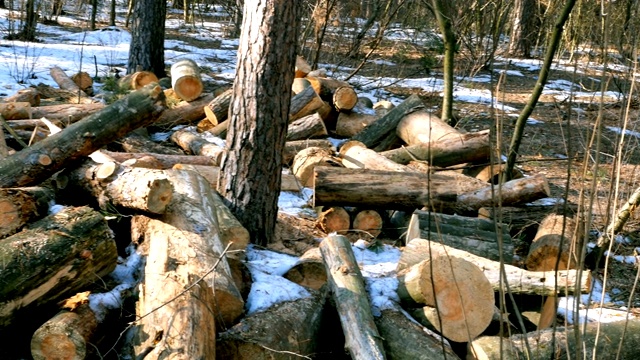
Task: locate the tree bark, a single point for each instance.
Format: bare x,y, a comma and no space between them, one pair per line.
347,287
65,82
349,124
43,159
445,12
65,113
186,80
75,246
423,127
556,237
139,142
292,148
304,103
19,206
212,174
146,51
29,95
307,160
164,161
527,218
193,143
137,80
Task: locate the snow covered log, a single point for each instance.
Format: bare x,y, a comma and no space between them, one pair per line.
20,206
520,281
55,257
41,160
355,155
309,270
348,290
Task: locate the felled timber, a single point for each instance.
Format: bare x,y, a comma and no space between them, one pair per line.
29,95
368,221
15,110
334,219
452,150
520,281
137,80
217,110
420,127
232,233
307,127
309,270
346,284
48,92
75,246
350,123
326,87
65,82
294,327
84,82
19,206
378,130
299,84
526,218
139,189
302,67
309,159
292,148
139,142
186,80
304,103
163,161
195,144
459,298
185,113
344,98
602,341
66,114
43,159
477,236
212,173
355,155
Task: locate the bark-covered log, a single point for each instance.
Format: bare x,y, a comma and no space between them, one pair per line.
195,144
463,148
140,189
326,87
477,236
217,110
29,95
309,270
293,328
137,80
378,130
230,229
334,219
602,341
165,161
309,159
54,258
310,126
368,221
185,113
186,80
347,287
66,113
520,281
65,82
19,206
355,155
84,82
553,243
349,124
212,173
43,159
292,148
422,127
525,219
304,103
15,110
48,92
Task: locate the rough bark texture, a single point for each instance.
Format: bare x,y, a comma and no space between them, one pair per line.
43,159
66,113
195,144
19,206
304,103
212,174
260,114
146,51
291,148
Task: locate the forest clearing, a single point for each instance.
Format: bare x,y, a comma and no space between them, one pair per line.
406,226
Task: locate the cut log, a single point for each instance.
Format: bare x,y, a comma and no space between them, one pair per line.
309,270
66,113
398,331
302,67
351,123
217,110
15,110
460,299
525,219
347,287
220,130
19,206
491,173
111,184
186,80
326,87
307,160
40,161
232,233
139,142
185,113
378,130
57,94
420,127
520,281
292,148
84,81
137,80
602,341
334,219
294,328
471,147
65,82
553,242
345,98
307,127
321,73
304,103
29,95
195,144
75,246
383,106
299,84
164,161
368,221
355,155
364,102
477,236
212,173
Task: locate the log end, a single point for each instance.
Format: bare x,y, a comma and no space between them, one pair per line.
160,195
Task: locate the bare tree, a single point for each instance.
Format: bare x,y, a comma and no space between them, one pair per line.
444,11
259,114
524,28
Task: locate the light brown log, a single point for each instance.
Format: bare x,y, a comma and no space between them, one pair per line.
292,148
139,189
185,112
491,172
362,339
334,219
75,246
307,127
326,87
422,127
344,98
299,84
321,73
217,110
15,110
164,161
45,158
186,80
294,328
65,82
351,123
197,145
212,173
58,94
309,270
368,221
383,106
553,242
220,130
84,81
459,297
525,219
602,341
29,95
137,80
520,281
355,155
477,236
304,103
364,102
470,147
19,206
302,67
232,232
307,160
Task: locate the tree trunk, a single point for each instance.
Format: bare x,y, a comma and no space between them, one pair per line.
45,158
75,246
524,28
259,120
112,13
146,51
347,287
94,12
186,80
19,206
445,12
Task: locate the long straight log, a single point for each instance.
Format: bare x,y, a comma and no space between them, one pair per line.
357,156
75,246
185,113
304,103
19,206
197,145
46,157
347,287
65,82
164,161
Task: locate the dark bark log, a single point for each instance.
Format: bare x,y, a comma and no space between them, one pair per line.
19,206
525,219
292,148
140,143
66,113
184,114
349,124
304,103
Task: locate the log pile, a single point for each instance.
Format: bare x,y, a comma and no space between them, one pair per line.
189,299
